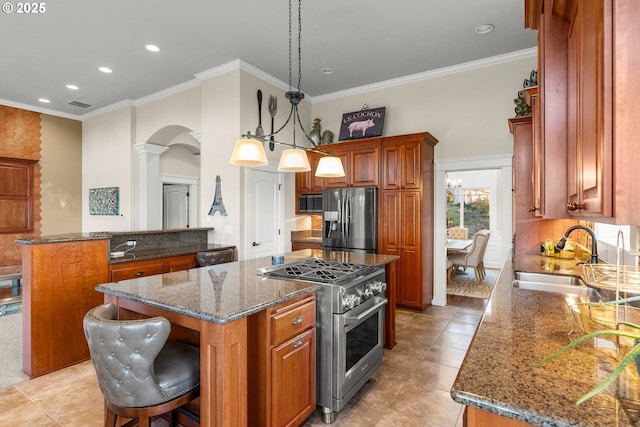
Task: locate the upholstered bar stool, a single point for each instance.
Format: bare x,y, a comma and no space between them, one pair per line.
140,374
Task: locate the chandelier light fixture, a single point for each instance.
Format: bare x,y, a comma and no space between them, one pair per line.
249,150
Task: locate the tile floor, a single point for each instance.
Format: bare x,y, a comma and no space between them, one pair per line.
410,389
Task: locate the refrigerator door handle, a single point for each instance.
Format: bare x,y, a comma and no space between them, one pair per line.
348,217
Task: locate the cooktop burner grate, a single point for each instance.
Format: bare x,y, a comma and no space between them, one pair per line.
318,270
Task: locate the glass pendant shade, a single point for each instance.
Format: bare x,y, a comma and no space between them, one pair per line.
248,152
330,167
294,160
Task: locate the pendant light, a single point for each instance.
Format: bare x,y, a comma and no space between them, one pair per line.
249,150
330,167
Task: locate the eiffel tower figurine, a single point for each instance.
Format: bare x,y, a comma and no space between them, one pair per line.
217,205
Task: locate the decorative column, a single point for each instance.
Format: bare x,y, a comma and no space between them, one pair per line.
149,186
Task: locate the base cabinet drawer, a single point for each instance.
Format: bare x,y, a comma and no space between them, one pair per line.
137,269
291,322
126,272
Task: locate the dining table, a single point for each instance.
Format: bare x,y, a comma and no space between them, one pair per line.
456,245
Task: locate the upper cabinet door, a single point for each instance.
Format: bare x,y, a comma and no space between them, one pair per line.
401,166
589,137
361,164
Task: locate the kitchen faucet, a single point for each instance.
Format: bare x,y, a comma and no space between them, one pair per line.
594,241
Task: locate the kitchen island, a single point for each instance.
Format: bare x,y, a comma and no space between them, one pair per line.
521,327
210,306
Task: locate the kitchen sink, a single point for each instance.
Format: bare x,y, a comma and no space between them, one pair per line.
561,283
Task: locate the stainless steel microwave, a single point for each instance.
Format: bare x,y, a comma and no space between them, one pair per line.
310,203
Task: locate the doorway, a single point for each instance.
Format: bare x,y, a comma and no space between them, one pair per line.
499,248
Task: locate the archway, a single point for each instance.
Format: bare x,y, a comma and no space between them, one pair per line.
171,155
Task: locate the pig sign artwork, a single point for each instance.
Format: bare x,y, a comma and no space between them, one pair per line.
365,123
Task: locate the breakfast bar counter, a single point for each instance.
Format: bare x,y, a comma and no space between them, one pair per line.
521,327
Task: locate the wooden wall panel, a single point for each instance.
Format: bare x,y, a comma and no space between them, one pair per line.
20,139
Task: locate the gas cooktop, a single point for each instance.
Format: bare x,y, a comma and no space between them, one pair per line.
316,270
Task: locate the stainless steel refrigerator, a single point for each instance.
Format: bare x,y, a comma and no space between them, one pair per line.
350,219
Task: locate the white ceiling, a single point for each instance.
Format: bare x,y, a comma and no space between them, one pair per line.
365,42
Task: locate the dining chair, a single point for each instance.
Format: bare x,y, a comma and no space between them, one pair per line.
140,374
458,233
474,257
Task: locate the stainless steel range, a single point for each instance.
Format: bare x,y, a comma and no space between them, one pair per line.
350,325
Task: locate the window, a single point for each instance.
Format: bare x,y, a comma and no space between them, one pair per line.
469,208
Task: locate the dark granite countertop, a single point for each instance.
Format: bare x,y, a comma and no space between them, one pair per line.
98,235
226,292
136,255
62,238
521,327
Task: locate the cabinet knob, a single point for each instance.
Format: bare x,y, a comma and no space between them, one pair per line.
297,320
297,344
573,206
140,273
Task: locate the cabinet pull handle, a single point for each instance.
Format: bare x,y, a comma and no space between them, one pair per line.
140,273
573,206
297,320
297,344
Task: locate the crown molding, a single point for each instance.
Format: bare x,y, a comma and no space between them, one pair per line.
440,72
40,110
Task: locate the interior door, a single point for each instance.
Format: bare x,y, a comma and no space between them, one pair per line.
265,234
175,206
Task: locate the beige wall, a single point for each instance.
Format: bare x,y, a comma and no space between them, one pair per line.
61,182
466,111
106,162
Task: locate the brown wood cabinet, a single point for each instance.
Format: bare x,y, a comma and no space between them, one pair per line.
589,144
529,229
281,364
550,113
16,195
401,166
308,182
59,281
586,57
296,246
474,417
137,269
361,164
406,215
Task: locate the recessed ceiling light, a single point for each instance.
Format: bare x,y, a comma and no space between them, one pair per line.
152,48
484,29
72,87
44,100
326,70
106,70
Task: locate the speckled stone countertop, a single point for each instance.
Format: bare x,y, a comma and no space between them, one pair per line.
62,238
137,255
225,292
521,327
98,235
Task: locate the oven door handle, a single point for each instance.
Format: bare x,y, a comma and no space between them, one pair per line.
353,320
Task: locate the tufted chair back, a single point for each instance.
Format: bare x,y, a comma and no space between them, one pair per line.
124,355
458,233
